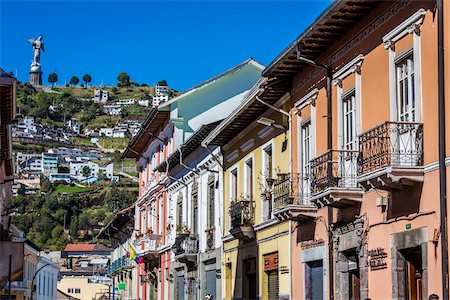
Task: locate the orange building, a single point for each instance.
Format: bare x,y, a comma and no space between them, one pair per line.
363,86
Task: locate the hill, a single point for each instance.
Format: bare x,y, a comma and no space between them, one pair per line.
61,213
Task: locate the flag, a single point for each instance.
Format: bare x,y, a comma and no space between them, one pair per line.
132,254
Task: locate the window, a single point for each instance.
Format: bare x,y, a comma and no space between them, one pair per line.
180,209
77,291
234,184
249,179
161,216
349,119
406,104
70,291
268,163
211,199
306,147
268,174
195,212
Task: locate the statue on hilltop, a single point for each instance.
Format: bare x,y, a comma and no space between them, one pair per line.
35,71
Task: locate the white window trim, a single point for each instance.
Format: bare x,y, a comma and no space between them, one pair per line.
409,26
232,169
309,99
353,67
263,169
246,175
263,158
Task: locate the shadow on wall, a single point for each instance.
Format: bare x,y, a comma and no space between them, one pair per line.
306,231
246,282
404,202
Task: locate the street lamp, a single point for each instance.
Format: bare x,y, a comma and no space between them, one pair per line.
33,287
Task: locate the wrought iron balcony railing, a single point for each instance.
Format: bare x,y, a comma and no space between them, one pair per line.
186,244
291,188
334,168
150,243
391,144
242,213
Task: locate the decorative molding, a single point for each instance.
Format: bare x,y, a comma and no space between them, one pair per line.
410,25
354,66
309,98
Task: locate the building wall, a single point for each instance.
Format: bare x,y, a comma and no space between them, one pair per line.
381,229
87,290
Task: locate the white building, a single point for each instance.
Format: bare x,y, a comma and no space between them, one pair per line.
27,125
161,90
119,132
145,103
73,125
49,164
101,96
125,102
60,177
46,279
112,109
28,186
76,170
106,132
63,151
157,100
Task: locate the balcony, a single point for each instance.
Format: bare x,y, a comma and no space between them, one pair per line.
120,264
391,156
334,179
186,248
292,197
242,216
148,246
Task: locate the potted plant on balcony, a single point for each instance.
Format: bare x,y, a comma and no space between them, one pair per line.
138,235
149,231
182,230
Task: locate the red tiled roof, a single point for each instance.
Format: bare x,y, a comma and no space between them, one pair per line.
80,247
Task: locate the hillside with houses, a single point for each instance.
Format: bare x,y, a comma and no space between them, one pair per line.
67,145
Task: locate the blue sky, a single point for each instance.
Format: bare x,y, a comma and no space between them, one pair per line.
183,42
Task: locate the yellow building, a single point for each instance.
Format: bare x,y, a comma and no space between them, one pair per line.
82,288
256,258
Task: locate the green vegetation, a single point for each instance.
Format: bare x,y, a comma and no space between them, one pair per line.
87,79
74,80
123,80
52,78
80,210
80,141
114,143
72,189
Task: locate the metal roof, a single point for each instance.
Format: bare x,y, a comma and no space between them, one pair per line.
188,147
234,69
154,121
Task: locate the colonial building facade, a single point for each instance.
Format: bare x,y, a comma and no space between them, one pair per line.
331,169
162,138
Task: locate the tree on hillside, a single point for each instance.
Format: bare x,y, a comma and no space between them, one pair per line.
162,83
74,227
52,78
74,80
124,79
87,79
86,171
